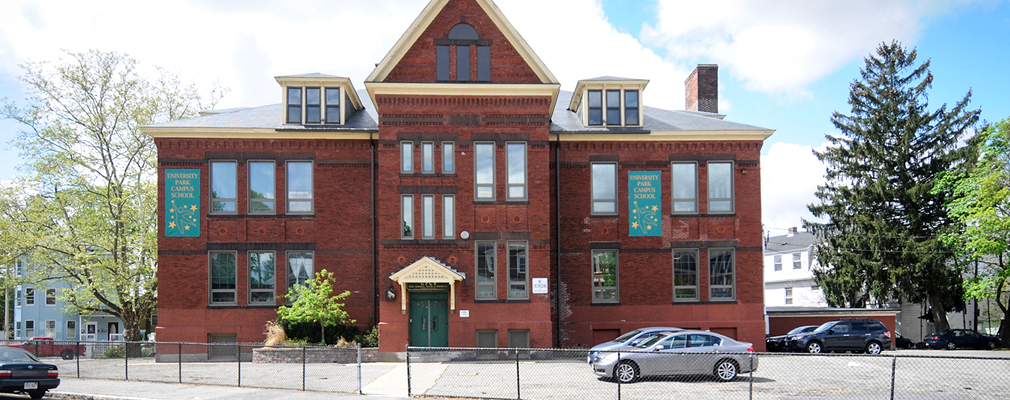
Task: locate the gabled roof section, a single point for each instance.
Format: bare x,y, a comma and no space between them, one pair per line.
434,8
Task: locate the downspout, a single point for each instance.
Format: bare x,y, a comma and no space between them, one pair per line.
557,198
375,299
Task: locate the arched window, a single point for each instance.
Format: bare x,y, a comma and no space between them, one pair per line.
461,40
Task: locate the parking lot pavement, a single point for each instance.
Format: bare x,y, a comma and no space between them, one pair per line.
101,389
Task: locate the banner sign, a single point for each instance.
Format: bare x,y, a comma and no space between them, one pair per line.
645,207
427,286
182,203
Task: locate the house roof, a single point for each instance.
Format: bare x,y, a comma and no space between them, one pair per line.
786,243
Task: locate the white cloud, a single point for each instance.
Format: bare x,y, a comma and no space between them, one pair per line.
790,175
780,47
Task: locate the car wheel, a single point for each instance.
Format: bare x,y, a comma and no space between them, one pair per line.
626,372
814,348
67,354
726,370
951,345
873,348
991,345
37,394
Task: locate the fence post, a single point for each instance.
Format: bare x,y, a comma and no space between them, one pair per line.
617,377
359,368
518,392
78,352
303,368
751,390
894,363
180,362
126,358
239,350
407,349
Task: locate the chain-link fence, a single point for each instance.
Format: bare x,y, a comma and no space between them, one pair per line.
311,368
569,374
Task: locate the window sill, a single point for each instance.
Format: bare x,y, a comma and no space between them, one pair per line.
236,306
614,215
501,301
522,202
613,303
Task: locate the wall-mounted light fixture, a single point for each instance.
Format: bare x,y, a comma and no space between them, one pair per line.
391,293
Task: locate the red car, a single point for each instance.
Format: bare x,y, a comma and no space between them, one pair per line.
42,346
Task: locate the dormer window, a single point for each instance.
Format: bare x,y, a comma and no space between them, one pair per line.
294,105
461,41
332,105
312,105
316,110
608,101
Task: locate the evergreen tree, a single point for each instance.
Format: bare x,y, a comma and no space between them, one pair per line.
881,241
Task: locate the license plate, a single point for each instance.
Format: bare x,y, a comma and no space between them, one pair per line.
31,385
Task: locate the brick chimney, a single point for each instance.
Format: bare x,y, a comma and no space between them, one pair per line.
701,89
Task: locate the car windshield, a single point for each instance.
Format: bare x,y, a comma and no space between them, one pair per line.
800,330
627,336
16,356
824,327
649,342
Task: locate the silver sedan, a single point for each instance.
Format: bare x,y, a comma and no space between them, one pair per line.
678,353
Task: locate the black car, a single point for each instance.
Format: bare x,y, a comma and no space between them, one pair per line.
21,372
862,335
902,342
961,338
778,343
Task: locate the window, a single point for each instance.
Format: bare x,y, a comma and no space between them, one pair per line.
17,268
595,107
428,216
462,63
789,295
222,277
261,187
29,296
427,157
17,329
484,171
17,298
484,63
223,183
518,271
71,329
262,267
407,214
449,217
300,186
797,261
778,262
721,275
312,105
605,276
516,171
29,329
50,328
486,276
50,297
685,187
720,187
294,105
630,107
461,37
685,275
604,188
332,105
300,268
442,63
487,338
407,157
448,158
613,107
519,338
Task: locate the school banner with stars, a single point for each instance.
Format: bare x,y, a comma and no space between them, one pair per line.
182,203
645,203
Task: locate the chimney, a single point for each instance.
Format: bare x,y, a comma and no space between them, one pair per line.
792,232
701,89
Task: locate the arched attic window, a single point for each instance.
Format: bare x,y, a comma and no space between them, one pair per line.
462,40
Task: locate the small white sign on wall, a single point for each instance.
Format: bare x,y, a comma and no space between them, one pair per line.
540,286
464,313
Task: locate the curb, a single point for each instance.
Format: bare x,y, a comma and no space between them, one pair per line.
80,396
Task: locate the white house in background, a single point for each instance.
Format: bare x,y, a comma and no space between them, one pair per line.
788,271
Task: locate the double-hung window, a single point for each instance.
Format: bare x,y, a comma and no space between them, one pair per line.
797,261
685,275
484,171
462,38
427,157
685,187
486,270
71,329
50,297
605,276
29,296
789,295
614,107
518,271
332,105
721,274
630,107
448,216
448,158
300,268
313,105
406,157
29,329
262,187
595,107
516,171
262,281
720,187
223,282
604,188
407,217
300,187
427,216
294,105
777,262
223,187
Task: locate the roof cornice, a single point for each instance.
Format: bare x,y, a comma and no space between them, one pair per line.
666,136
463,89
255,133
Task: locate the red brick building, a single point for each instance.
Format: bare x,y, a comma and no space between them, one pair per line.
464,200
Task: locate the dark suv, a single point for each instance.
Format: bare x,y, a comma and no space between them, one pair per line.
860,335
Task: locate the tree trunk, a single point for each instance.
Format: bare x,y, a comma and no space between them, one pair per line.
131,333
322,339
1004,332
939,314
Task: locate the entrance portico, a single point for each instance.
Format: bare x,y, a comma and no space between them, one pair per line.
428,292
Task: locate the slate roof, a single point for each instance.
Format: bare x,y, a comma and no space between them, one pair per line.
787,244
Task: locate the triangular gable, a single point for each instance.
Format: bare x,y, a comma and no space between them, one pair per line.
431,12
427,270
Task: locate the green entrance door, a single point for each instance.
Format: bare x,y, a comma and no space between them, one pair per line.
429,319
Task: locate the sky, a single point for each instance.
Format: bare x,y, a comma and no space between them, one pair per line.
783,64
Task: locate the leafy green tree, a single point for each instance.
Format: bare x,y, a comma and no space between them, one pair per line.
981,204
881,239
85,211
313,302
